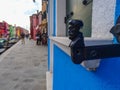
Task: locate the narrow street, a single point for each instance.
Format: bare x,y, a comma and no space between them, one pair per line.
23,67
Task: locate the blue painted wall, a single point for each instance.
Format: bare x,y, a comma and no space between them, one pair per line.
48,54
48,35
54,13
117,13
69,76
117,9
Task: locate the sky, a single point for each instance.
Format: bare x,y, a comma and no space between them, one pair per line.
18,11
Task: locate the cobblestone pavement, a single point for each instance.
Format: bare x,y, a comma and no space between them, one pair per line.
23,67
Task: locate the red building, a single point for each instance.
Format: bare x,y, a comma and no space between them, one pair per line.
33,25
4,27
39,27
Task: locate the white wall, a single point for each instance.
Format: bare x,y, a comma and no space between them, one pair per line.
61,13
50,20
102,18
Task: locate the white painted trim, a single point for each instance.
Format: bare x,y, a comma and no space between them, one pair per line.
88,41
63,44
50,23
51,55
60,15
49,80
103,18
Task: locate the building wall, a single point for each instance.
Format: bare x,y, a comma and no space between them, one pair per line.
103,18
18,32
68,76
39,18
44,4
31,31
3,29
33,25
50,18
117,11
60,25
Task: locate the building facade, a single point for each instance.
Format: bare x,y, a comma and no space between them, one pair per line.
98,18
33,25
4,29
38,22
39,28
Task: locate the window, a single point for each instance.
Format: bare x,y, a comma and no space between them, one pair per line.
76,10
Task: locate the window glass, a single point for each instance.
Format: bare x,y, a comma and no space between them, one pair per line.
81,12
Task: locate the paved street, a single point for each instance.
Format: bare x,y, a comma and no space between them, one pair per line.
23,67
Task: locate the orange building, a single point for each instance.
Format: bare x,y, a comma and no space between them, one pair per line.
19,30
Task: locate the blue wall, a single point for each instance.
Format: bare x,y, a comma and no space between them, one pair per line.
117,9
48,8
117,13
54,13
69,76
48,54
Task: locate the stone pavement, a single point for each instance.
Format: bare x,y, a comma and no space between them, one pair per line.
23,67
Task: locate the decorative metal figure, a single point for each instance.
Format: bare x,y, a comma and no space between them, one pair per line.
80,52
